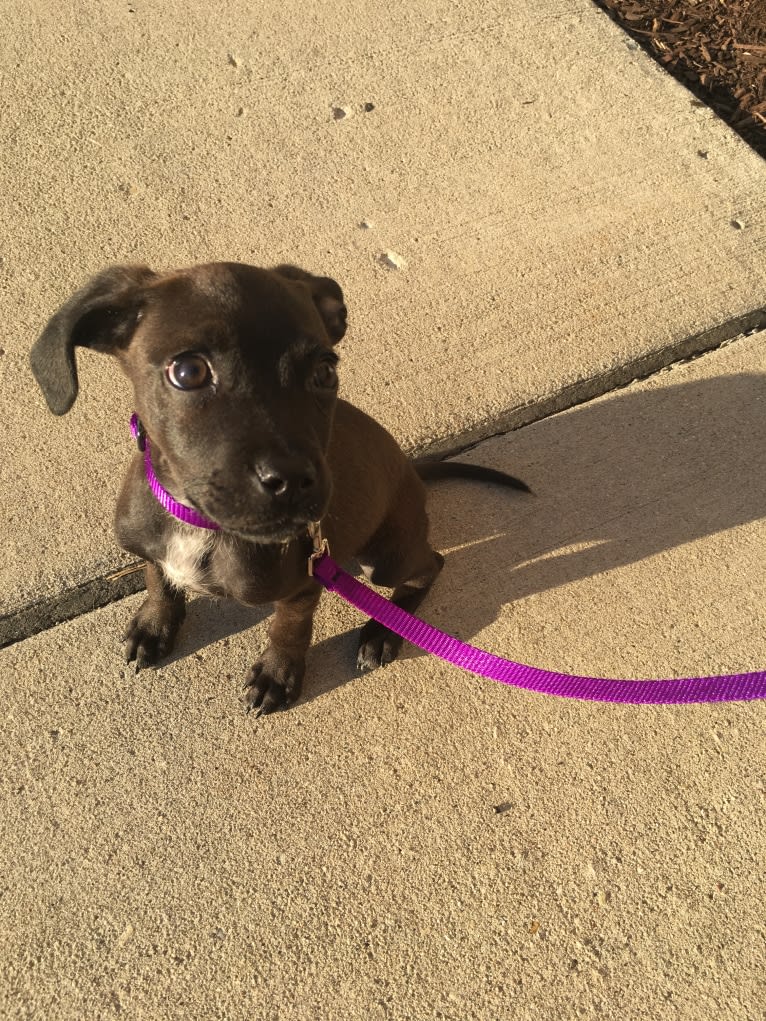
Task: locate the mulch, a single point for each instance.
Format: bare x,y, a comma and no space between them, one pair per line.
717,48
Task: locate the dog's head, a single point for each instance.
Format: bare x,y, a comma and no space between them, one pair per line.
234,376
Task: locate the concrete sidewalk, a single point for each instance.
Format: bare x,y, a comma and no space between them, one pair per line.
418,842
414,843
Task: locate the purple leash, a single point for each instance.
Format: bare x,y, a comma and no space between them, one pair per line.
726,688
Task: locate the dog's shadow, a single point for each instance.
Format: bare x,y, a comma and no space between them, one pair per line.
615,481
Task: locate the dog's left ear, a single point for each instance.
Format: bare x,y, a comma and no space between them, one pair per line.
328,298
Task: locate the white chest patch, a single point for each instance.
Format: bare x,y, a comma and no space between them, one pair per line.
183,563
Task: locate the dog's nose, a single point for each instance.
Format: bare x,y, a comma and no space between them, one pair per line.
286,477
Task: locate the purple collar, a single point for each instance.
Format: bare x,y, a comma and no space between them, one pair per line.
188,515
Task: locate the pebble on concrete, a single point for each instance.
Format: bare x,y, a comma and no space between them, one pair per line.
392,261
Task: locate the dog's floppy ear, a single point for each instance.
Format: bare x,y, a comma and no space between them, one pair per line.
328,298
102,315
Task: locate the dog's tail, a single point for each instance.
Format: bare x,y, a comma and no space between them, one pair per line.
428,470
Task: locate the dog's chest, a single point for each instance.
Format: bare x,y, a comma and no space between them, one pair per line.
186,560
214,564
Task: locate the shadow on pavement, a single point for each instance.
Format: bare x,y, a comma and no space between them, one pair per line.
615,481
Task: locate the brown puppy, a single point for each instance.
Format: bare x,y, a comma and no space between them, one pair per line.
235,384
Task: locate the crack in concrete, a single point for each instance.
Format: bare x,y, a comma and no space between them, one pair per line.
585,390
46,613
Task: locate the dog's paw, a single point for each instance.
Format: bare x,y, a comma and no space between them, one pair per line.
274,682
150,635
377,646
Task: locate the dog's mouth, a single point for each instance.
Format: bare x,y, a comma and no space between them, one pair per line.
274,534
277,530
272,519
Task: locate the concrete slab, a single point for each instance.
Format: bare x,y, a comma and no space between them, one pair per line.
420,843
564,210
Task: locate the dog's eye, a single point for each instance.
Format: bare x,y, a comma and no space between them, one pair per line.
325,376
189,372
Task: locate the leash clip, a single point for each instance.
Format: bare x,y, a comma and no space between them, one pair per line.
321,547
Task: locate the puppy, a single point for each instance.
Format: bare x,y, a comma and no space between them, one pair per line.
235,386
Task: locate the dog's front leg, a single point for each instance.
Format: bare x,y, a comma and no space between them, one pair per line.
152,632
276,679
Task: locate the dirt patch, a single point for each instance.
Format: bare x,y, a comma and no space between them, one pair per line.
717,48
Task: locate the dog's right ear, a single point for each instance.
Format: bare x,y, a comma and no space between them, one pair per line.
102,315
328,298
